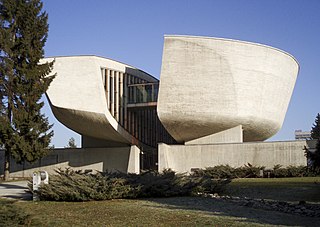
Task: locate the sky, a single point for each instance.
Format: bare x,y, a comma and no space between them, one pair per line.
132,32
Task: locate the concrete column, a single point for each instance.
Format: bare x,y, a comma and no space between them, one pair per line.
134,160
112,91
121,99
163,162
116,95
134,91
108,87
103,74
125,100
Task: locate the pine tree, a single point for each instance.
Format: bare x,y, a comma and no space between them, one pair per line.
315,131
314,157
71,143
24,130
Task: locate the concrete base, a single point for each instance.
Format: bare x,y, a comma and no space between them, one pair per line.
182,158
232,135
123,159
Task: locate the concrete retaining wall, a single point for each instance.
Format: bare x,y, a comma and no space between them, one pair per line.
182,158
124,159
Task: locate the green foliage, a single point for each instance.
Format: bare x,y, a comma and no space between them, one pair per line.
72,185
71,143
249,171
11,215
23,33
315,130
226,171
218,172
292,171
314,157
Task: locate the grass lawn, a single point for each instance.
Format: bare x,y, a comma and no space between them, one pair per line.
284,189
179,211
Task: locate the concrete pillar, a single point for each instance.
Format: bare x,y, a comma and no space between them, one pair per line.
121,99
116,95
134,91
125,100
112,93
134,160
163,158
108,87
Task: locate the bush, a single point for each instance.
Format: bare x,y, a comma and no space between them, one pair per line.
248,171
11,215
293,171
72,185
217,172
228,172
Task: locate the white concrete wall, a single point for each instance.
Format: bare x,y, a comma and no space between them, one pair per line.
233,135
124,159
208,85
182,158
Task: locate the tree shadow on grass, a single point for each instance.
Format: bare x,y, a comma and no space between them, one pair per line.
218,207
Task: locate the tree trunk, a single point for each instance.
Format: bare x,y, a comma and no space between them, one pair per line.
6,165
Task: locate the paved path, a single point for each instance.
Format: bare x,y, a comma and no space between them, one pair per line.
15,190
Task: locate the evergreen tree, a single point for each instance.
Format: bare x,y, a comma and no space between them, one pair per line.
315,131
71,143
314,157
24,131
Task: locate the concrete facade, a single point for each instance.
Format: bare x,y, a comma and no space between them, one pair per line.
233,135
77,96
183,158
123,159
209,85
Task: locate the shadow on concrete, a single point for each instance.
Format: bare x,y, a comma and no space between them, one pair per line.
15,190
12,186
217,207
100,159
26,196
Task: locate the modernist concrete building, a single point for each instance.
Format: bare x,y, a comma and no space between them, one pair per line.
109,103
211,91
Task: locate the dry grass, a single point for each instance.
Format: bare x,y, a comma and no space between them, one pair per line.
284,189
181,211
177,211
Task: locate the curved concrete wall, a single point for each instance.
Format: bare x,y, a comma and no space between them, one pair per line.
209,85
78,99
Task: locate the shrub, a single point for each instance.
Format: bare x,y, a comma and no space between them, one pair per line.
218,172
11,215
278,171
69,185
248,171
294,171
